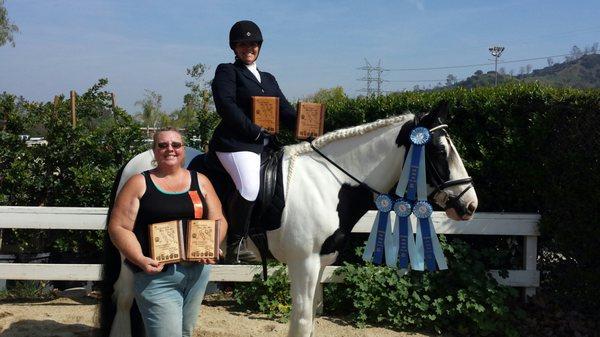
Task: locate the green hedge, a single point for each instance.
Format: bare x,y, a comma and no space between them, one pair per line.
529,148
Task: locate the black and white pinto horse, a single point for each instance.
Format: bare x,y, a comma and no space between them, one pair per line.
322,204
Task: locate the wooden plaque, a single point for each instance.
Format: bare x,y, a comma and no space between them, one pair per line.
265,113
202,240
166,241
310,120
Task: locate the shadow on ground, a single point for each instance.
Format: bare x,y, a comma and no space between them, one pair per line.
52,329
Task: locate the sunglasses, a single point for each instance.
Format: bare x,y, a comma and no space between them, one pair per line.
164,145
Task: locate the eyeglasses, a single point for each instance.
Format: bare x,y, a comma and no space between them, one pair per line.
174,145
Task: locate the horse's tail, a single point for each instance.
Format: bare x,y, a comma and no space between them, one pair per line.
110,273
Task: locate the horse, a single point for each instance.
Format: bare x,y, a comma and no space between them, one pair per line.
329,184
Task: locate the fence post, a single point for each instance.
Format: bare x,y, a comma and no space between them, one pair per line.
73,112
529,261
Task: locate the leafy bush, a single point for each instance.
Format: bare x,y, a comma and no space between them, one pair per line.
463,299
28,291
76,168
271,297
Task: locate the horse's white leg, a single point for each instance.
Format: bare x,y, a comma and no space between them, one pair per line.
123,297
304,275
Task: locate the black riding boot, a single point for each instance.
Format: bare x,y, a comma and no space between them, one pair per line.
240,213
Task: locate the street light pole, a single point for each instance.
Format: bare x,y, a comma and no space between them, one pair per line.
496,51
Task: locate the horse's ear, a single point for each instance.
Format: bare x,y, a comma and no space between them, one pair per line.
437,116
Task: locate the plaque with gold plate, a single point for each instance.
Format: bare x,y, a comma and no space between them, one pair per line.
310,120
202,240
265,113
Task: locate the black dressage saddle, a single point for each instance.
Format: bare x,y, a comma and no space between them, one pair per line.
270,201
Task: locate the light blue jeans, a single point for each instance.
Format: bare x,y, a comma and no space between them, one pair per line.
169,301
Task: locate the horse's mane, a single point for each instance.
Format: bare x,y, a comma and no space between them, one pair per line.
304,147
293,151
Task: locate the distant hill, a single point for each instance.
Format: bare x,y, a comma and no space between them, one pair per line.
583,72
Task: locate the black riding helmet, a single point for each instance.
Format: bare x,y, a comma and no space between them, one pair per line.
244,31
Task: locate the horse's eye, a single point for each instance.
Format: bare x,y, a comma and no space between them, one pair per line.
439,152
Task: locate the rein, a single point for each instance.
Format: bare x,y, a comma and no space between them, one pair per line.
341,169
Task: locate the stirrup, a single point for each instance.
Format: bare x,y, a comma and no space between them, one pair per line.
239,253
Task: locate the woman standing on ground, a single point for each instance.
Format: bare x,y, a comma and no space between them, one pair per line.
168,296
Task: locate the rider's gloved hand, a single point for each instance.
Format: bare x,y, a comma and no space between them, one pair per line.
264,134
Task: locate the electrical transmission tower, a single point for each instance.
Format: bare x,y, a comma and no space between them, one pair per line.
371,78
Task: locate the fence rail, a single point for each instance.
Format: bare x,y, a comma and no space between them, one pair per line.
94,218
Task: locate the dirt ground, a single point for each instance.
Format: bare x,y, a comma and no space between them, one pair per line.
77,317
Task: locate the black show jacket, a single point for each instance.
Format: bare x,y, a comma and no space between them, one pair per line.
232,88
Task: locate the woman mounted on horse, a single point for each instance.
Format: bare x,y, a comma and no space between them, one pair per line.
237,141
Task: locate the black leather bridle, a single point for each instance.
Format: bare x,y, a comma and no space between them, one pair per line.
439,184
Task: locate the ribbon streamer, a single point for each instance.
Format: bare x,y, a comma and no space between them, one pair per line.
391,245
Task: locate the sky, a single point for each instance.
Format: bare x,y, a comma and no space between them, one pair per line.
308,45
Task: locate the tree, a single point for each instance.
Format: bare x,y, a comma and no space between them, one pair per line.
335,94
198,114
450,80
151,114
528,68
575,54
550,61
7,28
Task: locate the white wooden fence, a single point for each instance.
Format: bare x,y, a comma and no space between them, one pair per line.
509,224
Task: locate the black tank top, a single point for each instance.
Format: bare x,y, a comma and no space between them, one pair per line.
159,206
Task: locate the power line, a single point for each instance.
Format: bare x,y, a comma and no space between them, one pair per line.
476,65
534,58
413,81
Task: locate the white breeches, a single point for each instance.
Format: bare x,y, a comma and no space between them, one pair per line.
244,169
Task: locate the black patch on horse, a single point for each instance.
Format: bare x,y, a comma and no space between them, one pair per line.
110,274
354,202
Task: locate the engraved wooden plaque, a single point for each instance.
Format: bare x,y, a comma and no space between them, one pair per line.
166,241
265,113
202,240
310,120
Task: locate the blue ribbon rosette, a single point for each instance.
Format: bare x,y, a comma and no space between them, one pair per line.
375,245
401,248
